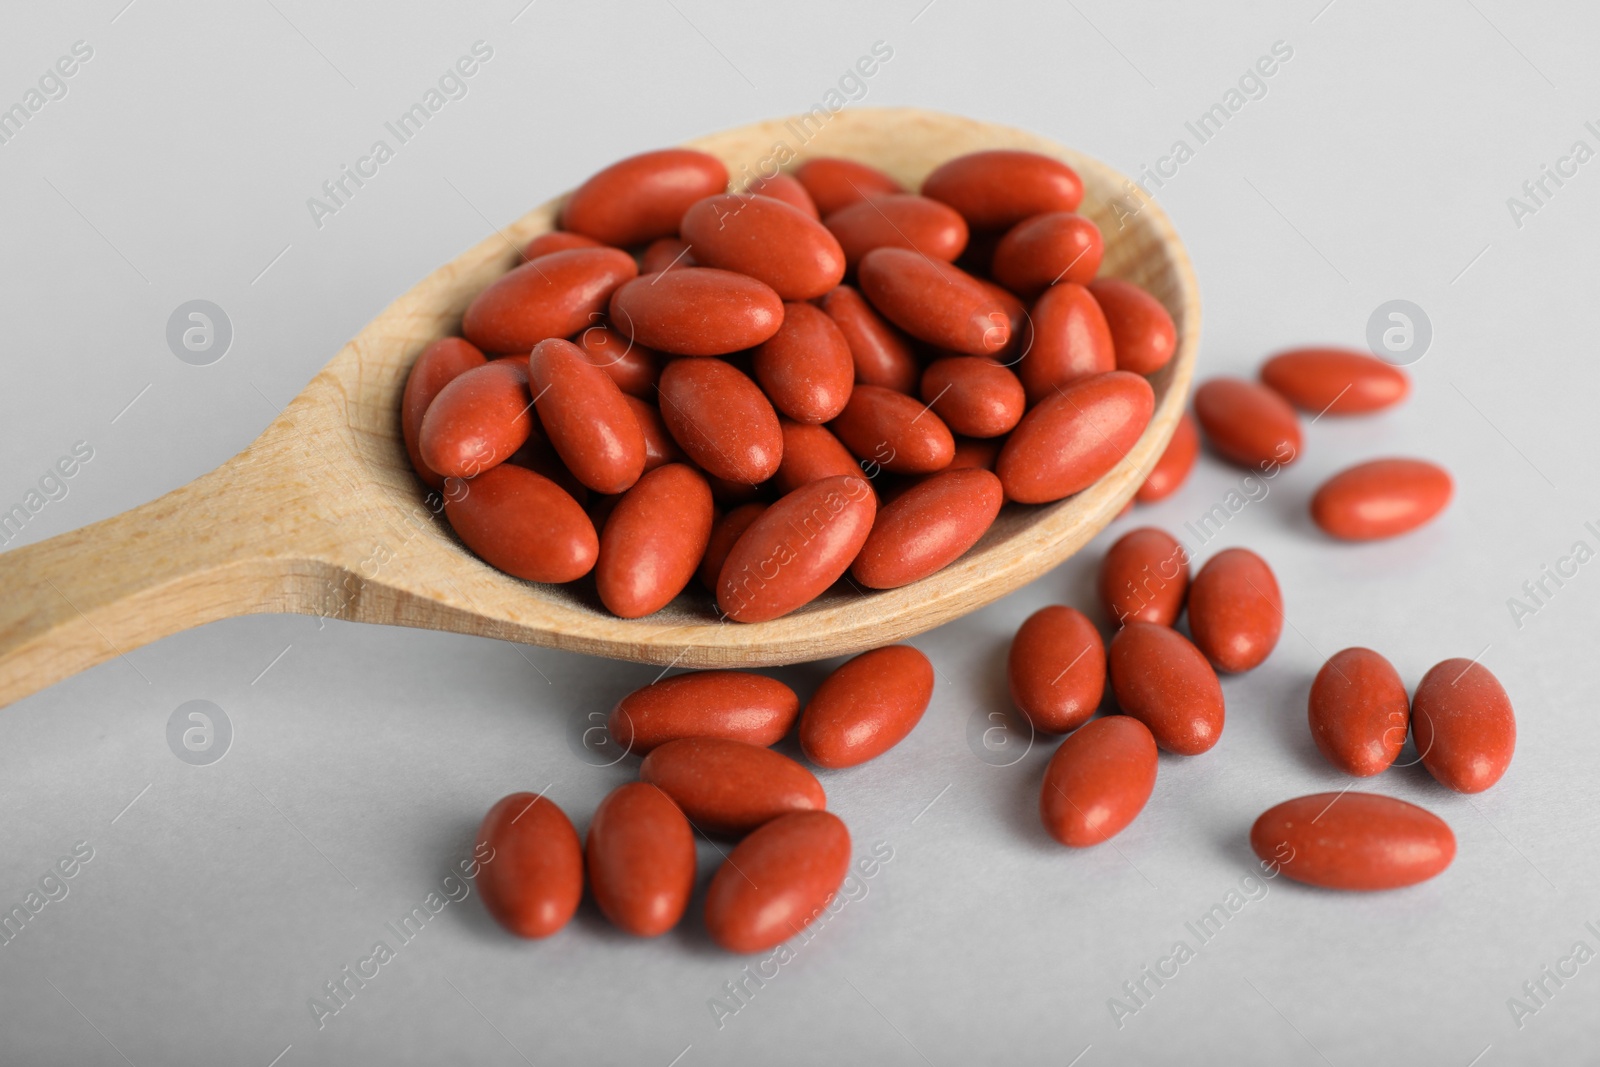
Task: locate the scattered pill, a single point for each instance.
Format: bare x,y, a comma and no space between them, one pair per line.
640,859
1056,669
1235,610
1353,841
730,787
1144,577
866,707
534,880
777,881
1463,725
1335,381
1098,781
733,705
1381,498
1358,711
1162,680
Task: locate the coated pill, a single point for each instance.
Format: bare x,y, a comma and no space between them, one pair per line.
555,295
1172,469
898,221
725,533
777,881
534,879
975,453
766,239
640,859
1070,440
1463,725
786,188
439,364
1235,610
730,787
585,417
1335,381
881,353
721,419
1381,498
974,395
664,254
1056,669
653,541
696,311
1098,781
1143,334
928,527
1358,712
1162,680
866,707
1247,423
1044,250
999,188
643,197
524,524
633,367
810,454
477,421
1071,341
733,705
806,368
895,431
835,183
557,241
796,549
934,301
1353,841
659,447
1144,577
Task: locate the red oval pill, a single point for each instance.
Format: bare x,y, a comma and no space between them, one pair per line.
974,395
805,368
524,524
439,364
1353,841
721,419
1335,381
894,431
881,353
1144,577
1172,469
1358,711
928,527
556,241
653,541
1056,669
1463,725
664,254
866,706
777,881
1071,341
733,705
477,421
835,183
640,859
975,453
725,533
1098,781
1247,423
796,549
1044,250
585,417
1067,442
730,787
1235,610
632,366
555,295
1143,334
786,188
810,454
696,311
659,447
1165,682
998,188
934,301
898,220
766,239
1381,498
531,873
643,197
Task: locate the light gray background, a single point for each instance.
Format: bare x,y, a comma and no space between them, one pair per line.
1376,167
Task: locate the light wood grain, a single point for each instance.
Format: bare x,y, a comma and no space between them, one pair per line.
321,515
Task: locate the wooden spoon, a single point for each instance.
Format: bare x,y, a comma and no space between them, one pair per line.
322,515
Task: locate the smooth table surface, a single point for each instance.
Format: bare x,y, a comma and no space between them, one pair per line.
219,899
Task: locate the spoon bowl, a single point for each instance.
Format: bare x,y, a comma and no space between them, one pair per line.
322,515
